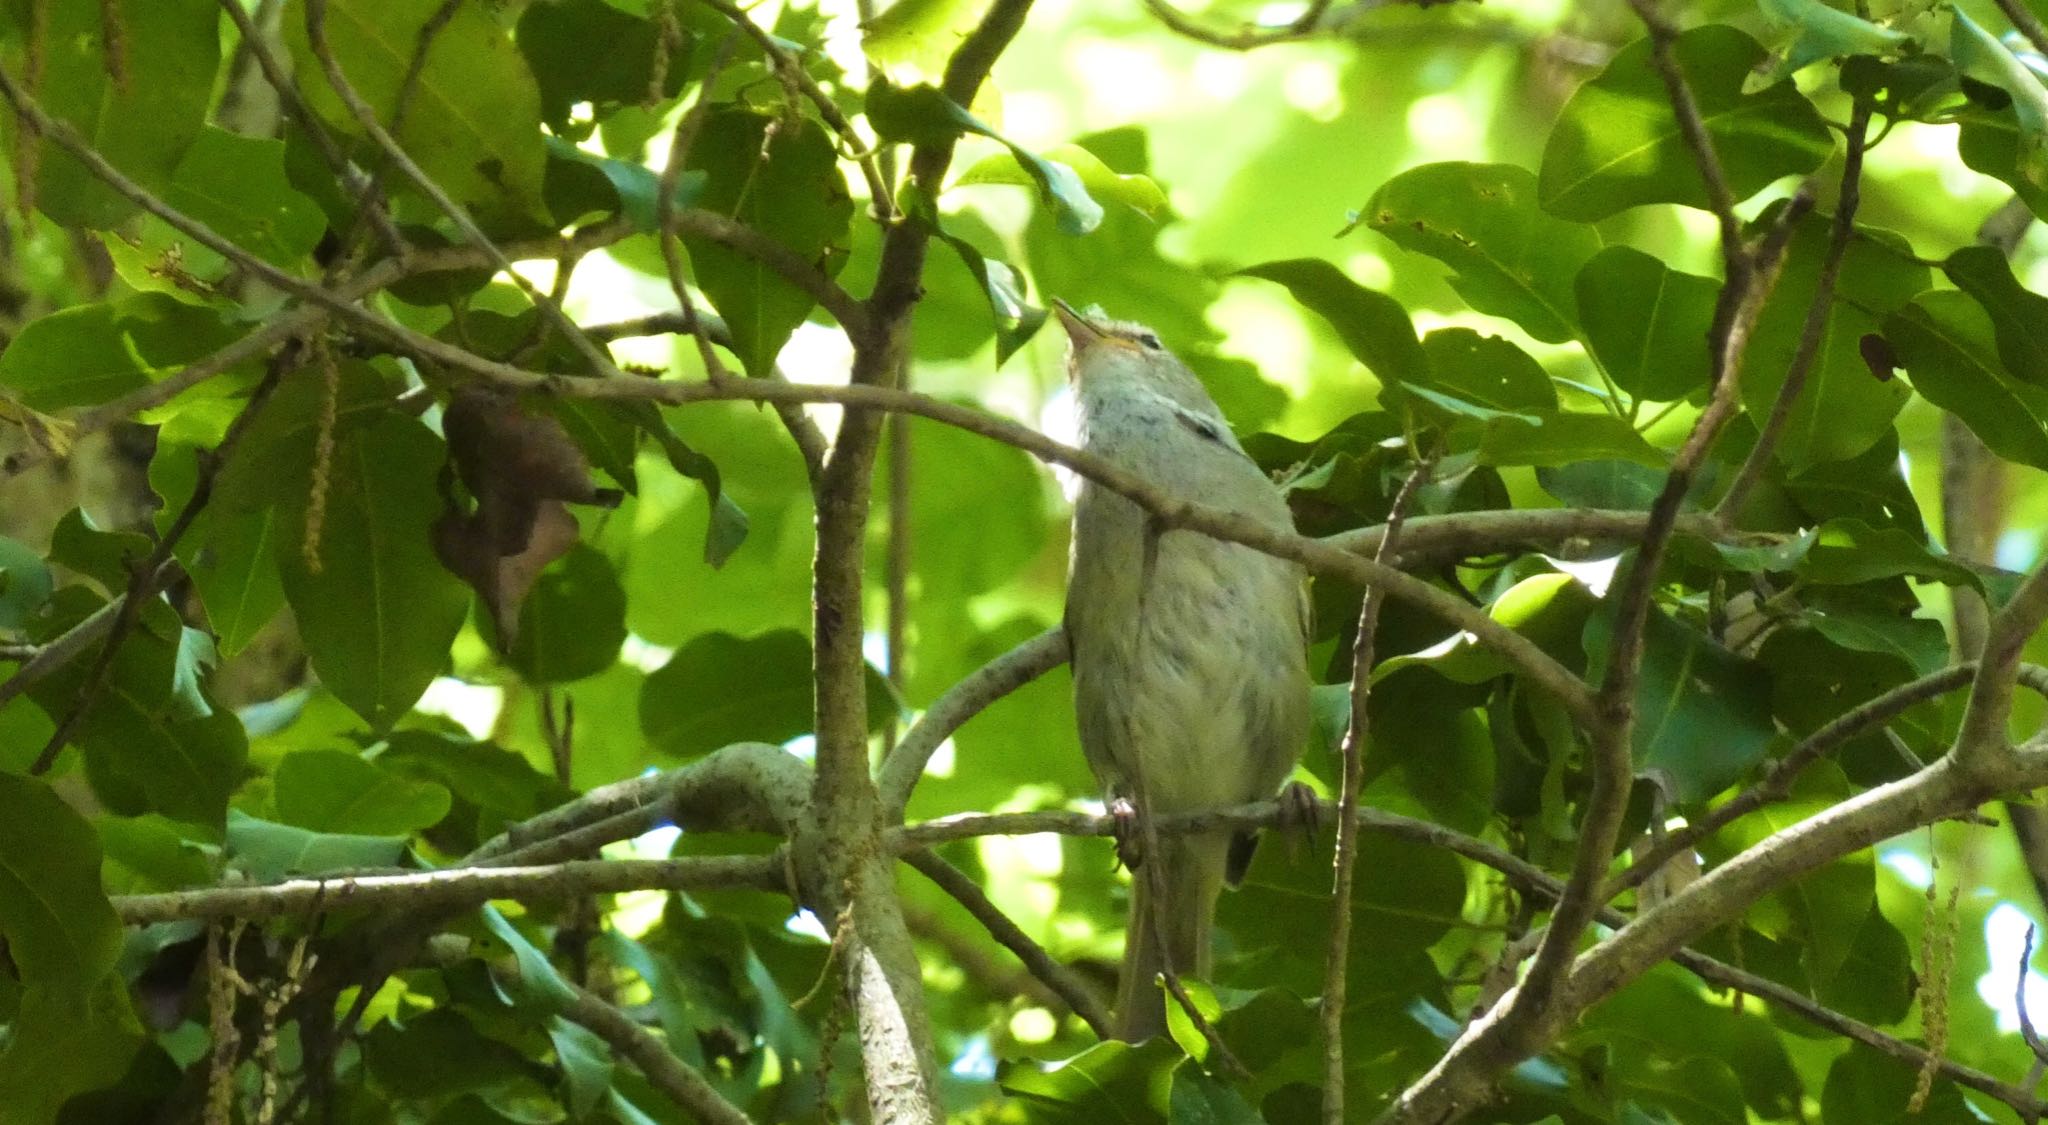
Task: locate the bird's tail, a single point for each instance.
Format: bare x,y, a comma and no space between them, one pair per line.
1188,872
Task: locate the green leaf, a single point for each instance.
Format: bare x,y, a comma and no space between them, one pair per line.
539,984
1508,257
237,186
1826,33
727,527
473,121
153,853
1647,323
720,689
1097,182
232,561
796,197
104,556
1602,484
62,1043
1946,343
269,851
1915,88
1869,487
25,583
1487,370
440,1053
1198,1099
1107,1082
1617,143
378,618
1850,552
1562,439
970,296
1868,1087
626,187
142,120
337,791
152,742
2019,316
1372,325
492,786
573,622
1843,407
1703,714
586,1063
87,354
556,39
1978,55
1917,642
61,931
918,35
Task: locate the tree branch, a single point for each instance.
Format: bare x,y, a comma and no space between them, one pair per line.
680,1081
964,700
1815,326
1777,781
1248,36
454,888
316,34
1010,936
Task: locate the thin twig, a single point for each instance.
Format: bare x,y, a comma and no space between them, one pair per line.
860,151
1010,936
1815,327
1245,38
1692,128
143,575
1356,730
1777,781
370,202
992,681
316,33
2024,20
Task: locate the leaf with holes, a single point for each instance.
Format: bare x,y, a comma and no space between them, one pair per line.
1508,258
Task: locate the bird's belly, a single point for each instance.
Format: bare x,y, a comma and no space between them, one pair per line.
1205,675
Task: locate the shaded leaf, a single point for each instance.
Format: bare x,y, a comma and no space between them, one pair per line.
1703,714
473,122
1946,343
142,125
1646,323
378,618
61,932
793,194
2019,316
335,791
269,851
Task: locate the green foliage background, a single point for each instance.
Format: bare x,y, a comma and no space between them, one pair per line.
1469,232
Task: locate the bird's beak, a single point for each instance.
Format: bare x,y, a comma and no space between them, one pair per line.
1079,332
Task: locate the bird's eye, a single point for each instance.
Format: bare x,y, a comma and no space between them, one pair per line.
1148,340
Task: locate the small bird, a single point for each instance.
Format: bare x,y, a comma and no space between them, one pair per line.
1191,682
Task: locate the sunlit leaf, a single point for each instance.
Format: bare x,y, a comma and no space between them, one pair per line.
1617,144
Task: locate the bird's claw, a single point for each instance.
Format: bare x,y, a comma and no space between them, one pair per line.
1123,816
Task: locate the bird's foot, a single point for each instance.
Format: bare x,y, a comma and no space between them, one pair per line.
1127,832
1301,812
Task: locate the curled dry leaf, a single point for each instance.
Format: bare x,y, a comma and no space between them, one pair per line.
523,470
